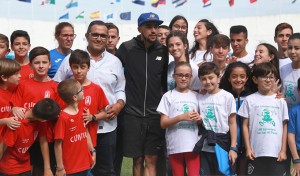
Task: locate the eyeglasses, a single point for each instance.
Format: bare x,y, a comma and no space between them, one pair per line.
96,35
177,27
81,90
264,78
180,75
65,36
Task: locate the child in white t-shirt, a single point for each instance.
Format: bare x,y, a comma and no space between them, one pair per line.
179,116
217,109
265,125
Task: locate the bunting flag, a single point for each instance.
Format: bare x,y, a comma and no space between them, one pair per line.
44,2
29,1
206,3
178,3
294,1
139,2
72,4
110,16
125,16
113,1
231,3
80,16
155,3
65,16
95,15
252,1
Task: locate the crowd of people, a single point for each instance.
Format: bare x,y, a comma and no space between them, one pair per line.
174,109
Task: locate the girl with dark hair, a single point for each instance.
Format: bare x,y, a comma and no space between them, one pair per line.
203,33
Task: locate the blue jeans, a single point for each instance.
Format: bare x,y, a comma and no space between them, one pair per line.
82,173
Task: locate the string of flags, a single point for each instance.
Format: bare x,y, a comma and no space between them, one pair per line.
125,15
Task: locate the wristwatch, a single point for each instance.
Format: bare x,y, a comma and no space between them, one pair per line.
234,149
94,118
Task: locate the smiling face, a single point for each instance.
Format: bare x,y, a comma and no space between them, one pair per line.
264,83
182,76
201,32
210,82
177,48
20,46
294,50
97,38
180,26
262,55
220,53
238,78
162,35
40,65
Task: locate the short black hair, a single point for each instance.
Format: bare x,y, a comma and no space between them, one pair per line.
96,22
239,29
208,68
19,33
295,36
38,51
79,57
46,109
164,27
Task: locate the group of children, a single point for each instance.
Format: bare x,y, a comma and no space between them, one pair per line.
238,122
236,119
54,126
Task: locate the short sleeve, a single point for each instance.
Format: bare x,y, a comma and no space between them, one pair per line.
164,105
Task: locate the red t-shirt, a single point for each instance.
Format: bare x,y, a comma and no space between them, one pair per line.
16,158
29,92
75,152
26,72
5,106
94,100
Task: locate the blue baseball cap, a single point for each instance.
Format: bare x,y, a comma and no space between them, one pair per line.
149,17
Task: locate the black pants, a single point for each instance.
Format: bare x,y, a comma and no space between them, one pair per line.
266,166
105,154
209,164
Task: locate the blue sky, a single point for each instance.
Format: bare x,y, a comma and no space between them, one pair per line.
192,10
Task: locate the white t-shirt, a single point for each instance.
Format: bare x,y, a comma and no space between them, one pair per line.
182,136
195,83
198,58
246,59
284,61
215,110
289,78
266,115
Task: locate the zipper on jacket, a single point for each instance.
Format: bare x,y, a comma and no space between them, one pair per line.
146,85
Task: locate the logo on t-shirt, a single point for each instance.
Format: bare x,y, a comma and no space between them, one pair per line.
266,118
87,100
47,94
289,92
58,60
210,115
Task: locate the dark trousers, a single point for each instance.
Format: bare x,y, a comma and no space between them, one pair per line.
105,154
119,148
266,166
21,174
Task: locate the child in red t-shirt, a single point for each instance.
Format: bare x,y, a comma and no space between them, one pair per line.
94,98
27,94
14,155
73,146
20,44
9,79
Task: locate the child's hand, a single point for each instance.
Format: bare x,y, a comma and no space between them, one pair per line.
18,112
276,86
296,170
194,115
250,154
60,172
12,123
231,59
232,156
94,160
48,172
87,117
281,156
